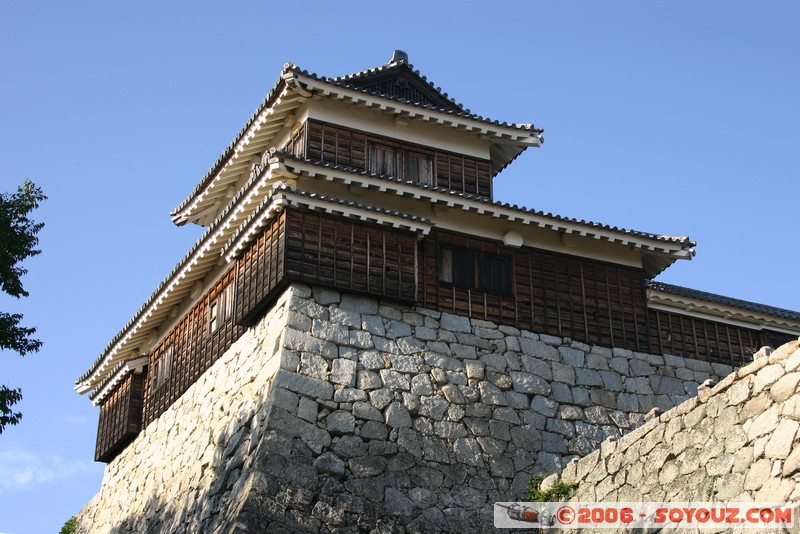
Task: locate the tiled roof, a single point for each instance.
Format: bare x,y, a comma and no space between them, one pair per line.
346,81
108,378
281,187
357,79
217,166
678,240
726,301
169,278
210,231
353,204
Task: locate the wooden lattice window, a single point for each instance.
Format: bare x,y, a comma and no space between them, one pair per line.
396,162
220,310
162,368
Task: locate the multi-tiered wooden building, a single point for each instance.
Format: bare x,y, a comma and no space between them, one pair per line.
377,183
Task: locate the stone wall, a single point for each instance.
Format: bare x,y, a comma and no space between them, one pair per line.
183,473
341,412
735,441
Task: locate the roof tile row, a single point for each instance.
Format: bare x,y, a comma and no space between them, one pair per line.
721,299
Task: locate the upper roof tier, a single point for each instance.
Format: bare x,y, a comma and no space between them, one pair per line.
394,89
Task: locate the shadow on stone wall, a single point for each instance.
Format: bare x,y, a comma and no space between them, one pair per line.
204,501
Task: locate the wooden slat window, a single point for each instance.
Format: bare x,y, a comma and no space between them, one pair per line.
533,289
328,143
260,272
297,143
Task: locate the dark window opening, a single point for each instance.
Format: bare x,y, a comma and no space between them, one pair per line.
475,270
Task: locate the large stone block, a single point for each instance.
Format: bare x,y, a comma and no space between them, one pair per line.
340,422
336,333
343,372
563,373
468,452
588,377
365,410
394,380
491,394
528,383
537,367
573,357
783,439
538,349
455,323
305,385
304,342
373,324
397,416
544,406
359,304
396,329
349,395
316,438
526,438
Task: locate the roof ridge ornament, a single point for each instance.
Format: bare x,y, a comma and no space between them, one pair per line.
399,57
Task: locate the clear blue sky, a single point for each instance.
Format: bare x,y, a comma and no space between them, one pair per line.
676,117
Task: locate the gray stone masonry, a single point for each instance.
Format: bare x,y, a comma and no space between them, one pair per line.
341,413
736,441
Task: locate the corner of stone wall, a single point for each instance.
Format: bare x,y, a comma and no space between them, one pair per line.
186,470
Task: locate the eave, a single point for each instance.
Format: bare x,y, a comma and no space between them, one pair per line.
507,140
112,380
277,111
658,251
283,196
142,332
215,189
722,309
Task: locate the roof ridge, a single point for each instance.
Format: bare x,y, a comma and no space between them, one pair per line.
399,65
463,113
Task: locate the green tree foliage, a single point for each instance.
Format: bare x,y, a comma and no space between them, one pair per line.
560,491
18,241
70,526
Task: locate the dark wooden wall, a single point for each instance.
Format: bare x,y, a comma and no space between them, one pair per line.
120,417
194,349
328,143
553,293
550,293
351,256
261,271
702,339
775,339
